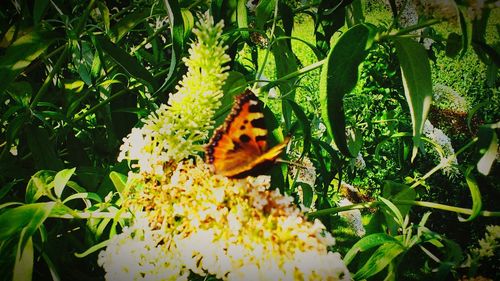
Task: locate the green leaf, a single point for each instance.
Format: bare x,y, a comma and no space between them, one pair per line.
285,64
84,195
378,260
38,10
29,217
263,12
488,147
394,209
188,22
177,34
307,193
304,123
330,17
61,179
417,83
92,249
105,14
120,182
453,45
466,29
128,63
42,149
23,267
21,53
127,23
368,242
241,18
475,194
395,191
39,184
95,70
339,76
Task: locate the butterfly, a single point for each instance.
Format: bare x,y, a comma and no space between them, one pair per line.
239,147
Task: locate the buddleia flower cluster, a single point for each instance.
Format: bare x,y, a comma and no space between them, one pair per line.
188,221
233,229
448,158
177,129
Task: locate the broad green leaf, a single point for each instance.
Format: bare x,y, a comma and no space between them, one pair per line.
39,185
263,12
104,14
23,267
307,193
128,63
417,83
379,260
286,14
339,76
60,180
29,217
306,126
354,13
38,10
488,147
368,242
241,18
285,64
95,70
119,180
475,194
21,53
43,150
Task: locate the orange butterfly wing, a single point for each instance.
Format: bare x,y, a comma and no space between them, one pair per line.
238,148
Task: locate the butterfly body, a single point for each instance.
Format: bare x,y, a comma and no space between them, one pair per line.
239,147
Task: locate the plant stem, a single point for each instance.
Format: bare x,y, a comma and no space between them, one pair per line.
433,205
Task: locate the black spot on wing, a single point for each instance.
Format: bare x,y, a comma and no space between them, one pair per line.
259,123
260,138
253,108
244,138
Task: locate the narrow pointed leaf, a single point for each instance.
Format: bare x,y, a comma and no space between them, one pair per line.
61,179
417,83
339,76
475,194
128,63
21,53
379,260
368,242
23,267
488,147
